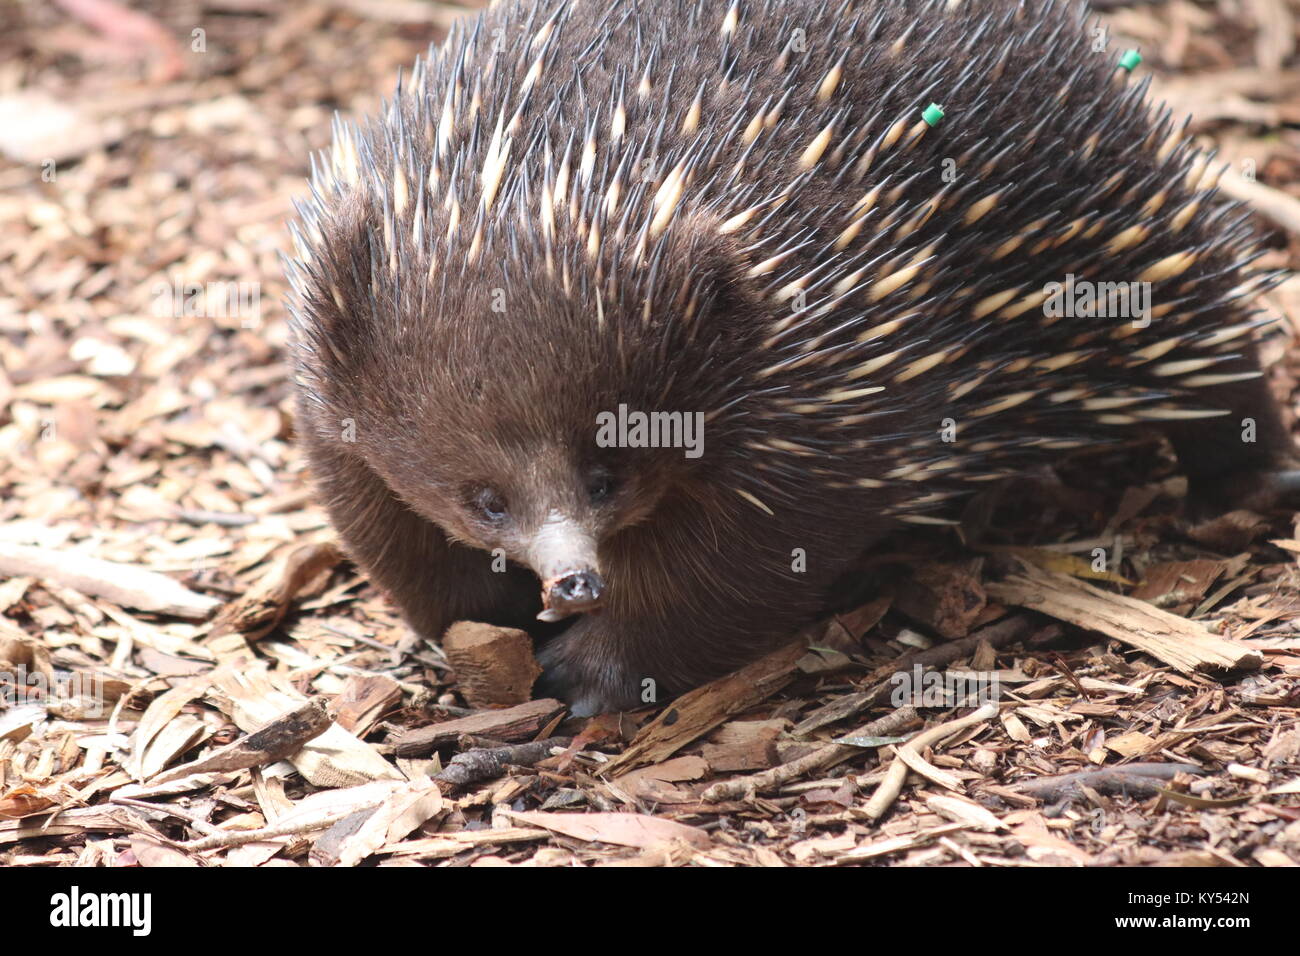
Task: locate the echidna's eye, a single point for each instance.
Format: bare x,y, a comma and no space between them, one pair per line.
599,487
490,504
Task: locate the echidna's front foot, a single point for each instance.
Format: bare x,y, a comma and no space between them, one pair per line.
582,668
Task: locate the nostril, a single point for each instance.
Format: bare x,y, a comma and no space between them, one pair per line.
580,586
576,588
573,593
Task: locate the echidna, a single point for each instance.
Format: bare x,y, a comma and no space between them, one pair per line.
881,253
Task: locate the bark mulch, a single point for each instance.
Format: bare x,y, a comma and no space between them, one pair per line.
190,673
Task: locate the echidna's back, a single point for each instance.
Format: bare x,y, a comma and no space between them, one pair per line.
912,195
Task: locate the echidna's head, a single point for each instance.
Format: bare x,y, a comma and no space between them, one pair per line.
529,487
501,400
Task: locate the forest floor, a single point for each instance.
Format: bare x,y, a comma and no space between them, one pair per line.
168,586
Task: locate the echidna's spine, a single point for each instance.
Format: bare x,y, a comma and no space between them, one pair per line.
915,257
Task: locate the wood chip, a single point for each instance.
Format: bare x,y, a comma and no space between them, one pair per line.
494,666
510,724
1180,643
133,587
694,714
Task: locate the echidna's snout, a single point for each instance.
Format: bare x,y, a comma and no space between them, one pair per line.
563,554
571,593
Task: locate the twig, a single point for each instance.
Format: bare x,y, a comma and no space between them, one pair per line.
887,726
201,825
996,635
1137,779
475,765
892,786
292,828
